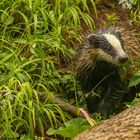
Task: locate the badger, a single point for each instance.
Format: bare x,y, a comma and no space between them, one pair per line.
97,70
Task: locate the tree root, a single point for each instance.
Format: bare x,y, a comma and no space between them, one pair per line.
124,126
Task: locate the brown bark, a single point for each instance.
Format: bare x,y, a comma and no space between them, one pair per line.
124,126
67,106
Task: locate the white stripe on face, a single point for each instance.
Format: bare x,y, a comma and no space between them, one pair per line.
115,43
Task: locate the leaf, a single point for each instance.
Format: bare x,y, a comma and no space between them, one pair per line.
25,137
135,80
10,134
6,58
38,51
6,19
70,128
27,23
20,41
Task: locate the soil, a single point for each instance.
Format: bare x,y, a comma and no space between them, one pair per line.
108,7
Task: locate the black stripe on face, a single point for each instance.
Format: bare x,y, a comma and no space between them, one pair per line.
104,45
100,41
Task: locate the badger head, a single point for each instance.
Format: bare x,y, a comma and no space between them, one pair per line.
109,46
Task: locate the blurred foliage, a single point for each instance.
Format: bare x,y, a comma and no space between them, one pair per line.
37,41
70,128
135,80
111,18
128,3
134,6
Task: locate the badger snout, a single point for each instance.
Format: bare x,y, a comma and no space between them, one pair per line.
122,59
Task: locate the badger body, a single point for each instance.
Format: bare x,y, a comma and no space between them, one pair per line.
97,70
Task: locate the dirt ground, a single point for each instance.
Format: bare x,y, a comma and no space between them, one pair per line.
104,8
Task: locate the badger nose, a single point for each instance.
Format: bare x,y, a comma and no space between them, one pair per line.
123,59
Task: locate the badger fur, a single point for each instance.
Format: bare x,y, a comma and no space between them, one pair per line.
97,70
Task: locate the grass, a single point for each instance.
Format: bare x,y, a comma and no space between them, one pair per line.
37,40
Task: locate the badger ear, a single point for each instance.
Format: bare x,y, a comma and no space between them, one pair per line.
118,33
93,39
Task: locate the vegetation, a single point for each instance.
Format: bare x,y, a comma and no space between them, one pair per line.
134,6
38,40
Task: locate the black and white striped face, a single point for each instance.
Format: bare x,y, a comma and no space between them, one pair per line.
109,46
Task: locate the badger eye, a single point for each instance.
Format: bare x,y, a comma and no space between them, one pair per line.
109,48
